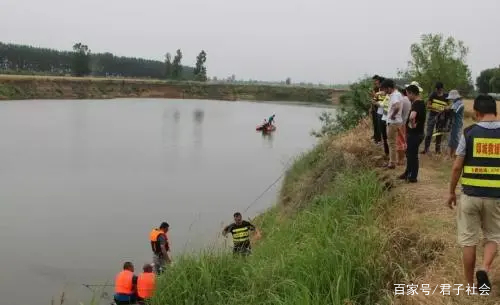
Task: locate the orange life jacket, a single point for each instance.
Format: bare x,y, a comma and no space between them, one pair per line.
145,285
123,282
155,244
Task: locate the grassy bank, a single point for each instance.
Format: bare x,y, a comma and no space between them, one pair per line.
14,87
324,243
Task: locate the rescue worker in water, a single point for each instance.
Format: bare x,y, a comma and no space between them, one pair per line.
240,230
126,285
160,247
270,121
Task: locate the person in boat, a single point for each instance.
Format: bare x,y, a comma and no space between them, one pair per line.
126,285
145,284
160,247
270,121
240,230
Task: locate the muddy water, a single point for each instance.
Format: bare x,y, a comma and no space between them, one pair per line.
83,182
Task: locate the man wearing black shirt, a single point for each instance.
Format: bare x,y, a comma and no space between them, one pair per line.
415,133
377,133
240,229
436,104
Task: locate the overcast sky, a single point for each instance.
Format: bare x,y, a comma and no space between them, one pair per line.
308,40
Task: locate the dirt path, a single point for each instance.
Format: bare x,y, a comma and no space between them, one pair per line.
424,215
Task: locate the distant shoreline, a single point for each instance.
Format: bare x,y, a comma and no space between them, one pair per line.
22,87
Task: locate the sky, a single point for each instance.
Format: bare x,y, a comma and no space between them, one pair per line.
327,41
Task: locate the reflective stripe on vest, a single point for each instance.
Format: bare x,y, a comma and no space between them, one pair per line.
385,104
438,105
240,234
145,285
481,171
123,282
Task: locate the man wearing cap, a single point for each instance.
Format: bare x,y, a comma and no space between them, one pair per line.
436,104
457,120
478,162
160,247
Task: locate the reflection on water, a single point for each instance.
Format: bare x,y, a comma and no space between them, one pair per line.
78,137
170,137
268,139
198,116
177,115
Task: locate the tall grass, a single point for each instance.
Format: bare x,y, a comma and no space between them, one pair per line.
327,253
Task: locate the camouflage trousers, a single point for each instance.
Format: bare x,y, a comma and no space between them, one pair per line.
159,263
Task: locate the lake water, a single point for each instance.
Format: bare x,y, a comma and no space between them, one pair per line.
83,183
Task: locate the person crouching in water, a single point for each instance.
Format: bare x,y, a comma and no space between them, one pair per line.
126,285
145,284
240,229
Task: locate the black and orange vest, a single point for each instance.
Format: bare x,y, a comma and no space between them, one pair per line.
481,171
155,243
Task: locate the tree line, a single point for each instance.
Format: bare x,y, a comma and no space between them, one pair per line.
434,58
488,81
81,61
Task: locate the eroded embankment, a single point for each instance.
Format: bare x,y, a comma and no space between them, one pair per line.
336,237
26,87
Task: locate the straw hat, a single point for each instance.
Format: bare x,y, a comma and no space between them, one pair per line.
453,95
415,83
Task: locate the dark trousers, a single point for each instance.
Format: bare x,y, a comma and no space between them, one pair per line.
383,132
377,136
413,142
431,124
125,301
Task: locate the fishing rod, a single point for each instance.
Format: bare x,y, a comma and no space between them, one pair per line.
271,185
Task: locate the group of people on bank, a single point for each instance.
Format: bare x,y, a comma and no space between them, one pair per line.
399,116
132,289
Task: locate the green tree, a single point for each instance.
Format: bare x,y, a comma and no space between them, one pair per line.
176,65
81,59
200,71
484,80
168,66
354,106
495,82
288,81
437,58
24,59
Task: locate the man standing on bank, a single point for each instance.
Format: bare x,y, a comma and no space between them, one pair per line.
415,133
394,118
160,247
478,162
240,229
377,134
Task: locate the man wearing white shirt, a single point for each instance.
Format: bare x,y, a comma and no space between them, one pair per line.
394,118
